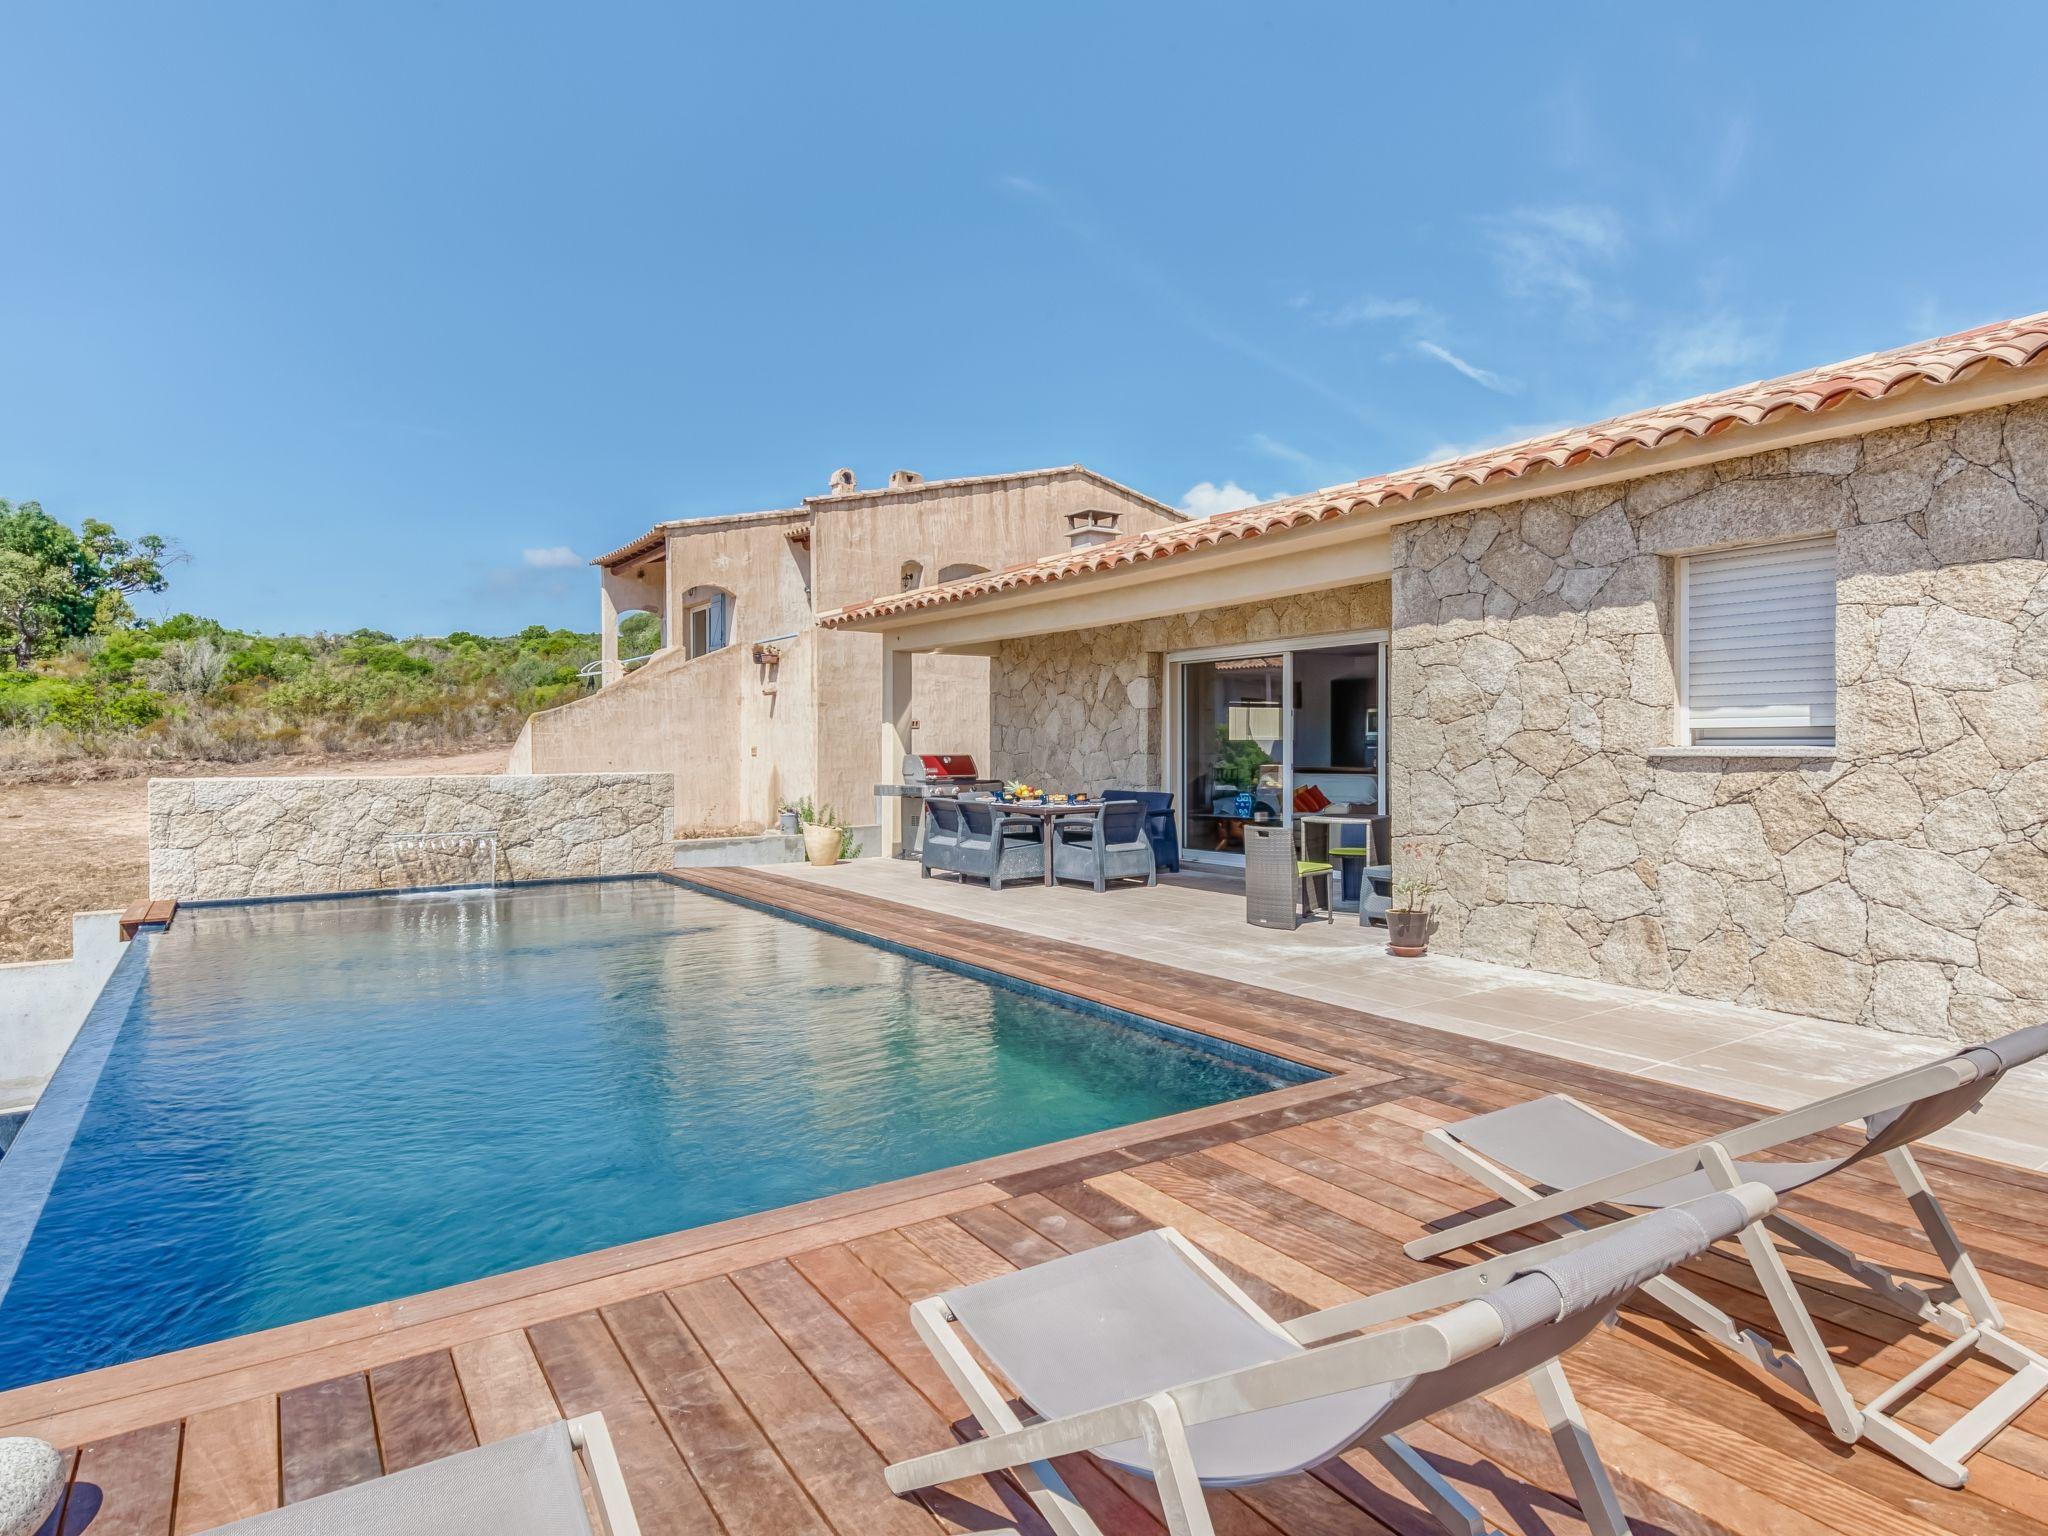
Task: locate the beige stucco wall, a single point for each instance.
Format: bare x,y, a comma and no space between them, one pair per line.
222,838
1083,708
1899,882
863,540
741,739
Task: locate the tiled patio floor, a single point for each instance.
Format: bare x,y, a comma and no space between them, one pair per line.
1196,923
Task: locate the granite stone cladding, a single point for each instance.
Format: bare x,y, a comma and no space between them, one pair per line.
1899,881
213,838
1084,709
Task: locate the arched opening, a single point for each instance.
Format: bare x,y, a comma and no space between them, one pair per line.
639,634
961,572
912,577
705,622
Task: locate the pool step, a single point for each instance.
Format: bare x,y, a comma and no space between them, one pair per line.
147,914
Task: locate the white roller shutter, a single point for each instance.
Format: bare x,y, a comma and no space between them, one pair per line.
1758,631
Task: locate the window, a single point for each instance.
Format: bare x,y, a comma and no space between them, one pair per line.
961,572
708,625
1756,645
912,577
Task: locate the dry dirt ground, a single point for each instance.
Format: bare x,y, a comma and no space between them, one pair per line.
82,845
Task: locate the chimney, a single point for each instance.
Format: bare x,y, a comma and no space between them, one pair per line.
842,481
1088,528
904,479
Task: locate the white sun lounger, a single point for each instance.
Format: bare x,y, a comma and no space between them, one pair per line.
1552,1157
1145,1353
524,1486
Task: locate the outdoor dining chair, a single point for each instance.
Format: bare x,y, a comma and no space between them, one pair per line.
1145,1353
1159,824
524,1486
976,841
1554,1157
1111,844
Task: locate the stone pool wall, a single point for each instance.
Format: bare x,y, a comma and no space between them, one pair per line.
216,838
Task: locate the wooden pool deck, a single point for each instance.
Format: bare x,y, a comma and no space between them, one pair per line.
757,1375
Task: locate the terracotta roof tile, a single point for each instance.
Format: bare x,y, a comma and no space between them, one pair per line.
2012,343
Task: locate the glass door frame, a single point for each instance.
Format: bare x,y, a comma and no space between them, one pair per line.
1175,685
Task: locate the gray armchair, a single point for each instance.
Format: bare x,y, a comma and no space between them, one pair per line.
972,838
1112,845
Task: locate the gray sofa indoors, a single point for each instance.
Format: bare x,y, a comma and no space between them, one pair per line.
1112,845
973,839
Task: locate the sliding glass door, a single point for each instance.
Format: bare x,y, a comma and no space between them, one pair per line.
1233,736
1257,735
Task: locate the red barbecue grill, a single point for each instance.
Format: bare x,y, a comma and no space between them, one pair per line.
926,774
948,770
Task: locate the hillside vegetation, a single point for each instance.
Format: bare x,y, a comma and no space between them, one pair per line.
81,678
190,689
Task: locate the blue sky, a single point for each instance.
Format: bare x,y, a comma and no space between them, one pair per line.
386,312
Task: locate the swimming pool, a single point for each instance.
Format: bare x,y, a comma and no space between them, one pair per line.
286,1109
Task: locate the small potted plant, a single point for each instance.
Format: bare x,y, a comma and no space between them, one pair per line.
1408,918
826,840
788,822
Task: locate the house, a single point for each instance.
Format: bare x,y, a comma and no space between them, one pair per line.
746,700
1738,698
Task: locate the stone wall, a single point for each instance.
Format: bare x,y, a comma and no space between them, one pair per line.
278,837
1899,881
1084,708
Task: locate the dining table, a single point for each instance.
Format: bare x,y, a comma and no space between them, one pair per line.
1048,813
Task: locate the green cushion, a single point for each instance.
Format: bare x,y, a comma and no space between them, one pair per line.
1350,853
1309,867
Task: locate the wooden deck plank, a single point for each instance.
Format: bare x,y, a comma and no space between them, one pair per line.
758,1375
829,1456
229,1467
749,1488
897,1422
327,1437
125,1486
420,1411
504,1386
590,1375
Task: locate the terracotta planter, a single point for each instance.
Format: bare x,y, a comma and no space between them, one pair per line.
1408,933
822,844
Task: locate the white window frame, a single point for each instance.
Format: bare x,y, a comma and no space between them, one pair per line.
1681,608
690,617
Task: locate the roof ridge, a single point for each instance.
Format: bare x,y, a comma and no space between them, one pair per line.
2020,342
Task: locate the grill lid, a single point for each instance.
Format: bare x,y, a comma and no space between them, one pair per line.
938,767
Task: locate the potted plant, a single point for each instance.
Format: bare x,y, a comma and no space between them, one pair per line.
826,839
787,822
1408,918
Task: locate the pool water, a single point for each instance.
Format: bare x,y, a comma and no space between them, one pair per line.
312,1106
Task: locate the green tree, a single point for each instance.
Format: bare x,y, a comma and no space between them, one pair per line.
31,593
60,584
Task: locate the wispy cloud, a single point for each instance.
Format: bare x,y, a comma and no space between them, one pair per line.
1369,311
1557,252
1286,453
1142,273
554,558
1729,155
1711,351
1484,377
1208,499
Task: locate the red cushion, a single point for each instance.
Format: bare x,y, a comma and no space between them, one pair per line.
1309,799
